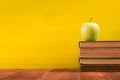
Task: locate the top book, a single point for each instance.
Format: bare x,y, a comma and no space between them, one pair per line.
99,44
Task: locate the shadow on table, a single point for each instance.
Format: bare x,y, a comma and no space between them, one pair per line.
65,70
86,70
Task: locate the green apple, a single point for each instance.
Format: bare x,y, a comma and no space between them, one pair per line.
90,31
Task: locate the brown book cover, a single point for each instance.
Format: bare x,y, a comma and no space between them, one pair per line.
96,52
99,68
99,61
95,44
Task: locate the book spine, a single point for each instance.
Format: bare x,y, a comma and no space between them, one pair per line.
100,68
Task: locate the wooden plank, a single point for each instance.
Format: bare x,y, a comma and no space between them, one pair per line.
63,74
5,73
26,75
58,74
99,76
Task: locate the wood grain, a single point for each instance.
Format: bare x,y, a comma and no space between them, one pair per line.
100,76
57,74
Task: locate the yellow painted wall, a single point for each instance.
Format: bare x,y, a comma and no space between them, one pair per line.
45,33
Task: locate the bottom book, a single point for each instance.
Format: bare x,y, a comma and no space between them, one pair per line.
99,68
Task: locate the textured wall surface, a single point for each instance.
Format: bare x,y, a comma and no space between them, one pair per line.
45,33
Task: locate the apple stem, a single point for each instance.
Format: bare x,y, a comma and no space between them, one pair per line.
90,19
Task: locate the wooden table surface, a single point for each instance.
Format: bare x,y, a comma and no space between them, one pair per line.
56,74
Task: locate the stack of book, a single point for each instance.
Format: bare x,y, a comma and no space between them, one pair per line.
99,56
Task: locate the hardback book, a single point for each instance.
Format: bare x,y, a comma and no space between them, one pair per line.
100,52
100,68
100,44
100,48
97,58
100,61
99,64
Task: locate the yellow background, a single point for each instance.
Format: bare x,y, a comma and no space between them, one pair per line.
45,33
